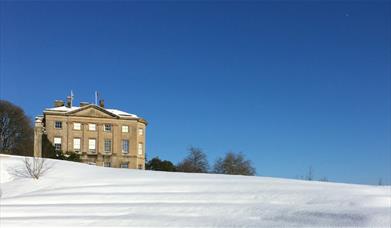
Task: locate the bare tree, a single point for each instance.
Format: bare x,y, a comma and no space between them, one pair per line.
194,162
33,167
16,131
235,164
324,179
310,174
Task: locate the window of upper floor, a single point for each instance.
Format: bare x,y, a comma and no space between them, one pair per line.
125,129
141,131
58,124
107,127
92,127
76,126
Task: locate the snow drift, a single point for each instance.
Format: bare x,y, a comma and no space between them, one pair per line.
75,194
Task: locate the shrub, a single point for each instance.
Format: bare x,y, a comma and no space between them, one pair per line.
32,168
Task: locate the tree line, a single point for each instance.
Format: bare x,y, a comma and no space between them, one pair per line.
17,138
196,162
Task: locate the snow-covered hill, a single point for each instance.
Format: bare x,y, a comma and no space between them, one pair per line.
74,194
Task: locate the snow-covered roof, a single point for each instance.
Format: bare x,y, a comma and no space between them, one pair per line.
120,113
73,108
63,109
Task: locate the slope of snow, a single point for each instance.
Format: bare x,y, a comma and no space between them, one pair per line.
75,194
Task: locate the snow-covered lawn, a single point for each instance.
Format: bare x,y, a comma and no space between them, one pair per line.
74,194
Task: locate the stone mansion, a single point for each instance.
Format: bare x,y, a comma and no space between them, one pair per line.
102,136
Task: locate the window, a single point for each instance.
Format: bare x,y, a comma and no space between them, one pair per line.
91,145
140,148
58,124
76,126
57,143
107,145
140,131
124,165
92,127
107,127
76,145
125,129
140,166
125,146
107,164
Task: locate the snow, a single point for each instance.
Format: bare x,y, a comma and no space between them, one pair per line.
75,194
120,113
73,108
63,109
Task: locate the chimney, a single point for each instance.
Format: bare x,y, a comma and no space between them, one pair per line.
102,103
69,101
58,103
83,104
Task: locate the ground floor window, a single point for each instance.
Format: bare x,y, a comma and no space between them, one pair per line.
107,146
140,166
76,145
125,146
140,148
125,165
57,143
91,145
107,164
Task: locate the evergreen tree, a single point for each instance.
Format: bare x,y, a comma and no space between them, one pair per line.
159,165
48,150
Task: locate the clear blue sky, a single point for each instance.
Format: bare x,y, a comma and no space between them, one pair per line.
291,85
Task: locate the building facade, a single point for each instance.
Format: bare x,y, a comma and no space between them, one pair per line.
101,136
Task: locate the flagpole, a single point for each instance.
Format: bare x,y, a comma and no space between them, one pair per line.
71,98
